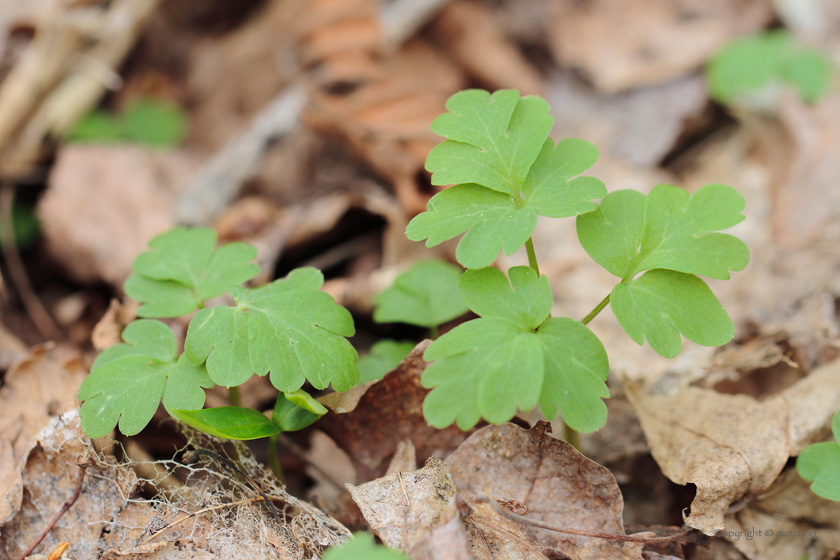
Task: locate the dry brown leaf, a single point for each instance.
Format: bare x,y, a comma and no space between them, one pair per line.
401,508
621,45
477,41
171,550
787,506
448,541
105,203
390,412
36,389
404,459
108,331
11,347
551,478
495,537
49,477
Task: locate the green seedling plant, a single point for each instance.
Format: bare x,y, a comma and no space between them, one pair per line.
819,464
505,171
752,70
362,547
426,295
288,330
152,122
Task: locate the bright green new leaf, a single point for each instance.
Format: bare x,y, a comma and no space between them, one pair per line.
183,269
662,304
229,422
426,295
493,139
295,411
128,381
819,463
97,128
155,122
513,357
288,328
495,221
576,368
362,547
748,69
384,356
669,229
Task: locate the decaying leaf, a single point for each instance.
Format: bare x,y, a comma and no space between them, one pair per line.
552,479
36,389
390,412
402,508
171,550
448,541
494,537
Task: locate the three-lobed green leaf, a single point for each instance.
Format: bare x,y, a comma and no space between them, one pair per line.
513,357
505,171
128,381
426,295
183,269
288,329
819,464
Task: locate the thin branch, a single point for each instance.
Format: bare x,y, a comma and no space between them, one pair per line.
581,532
67,505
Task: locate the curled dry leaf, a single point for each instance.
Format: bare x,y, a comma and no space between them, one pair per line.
401,508
36,389
390,412
733,445
621,45
552,479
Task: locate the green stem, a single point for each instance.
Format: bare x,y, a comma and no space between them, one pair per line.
532,256
433,332
273,459
233,396
598,309
571,436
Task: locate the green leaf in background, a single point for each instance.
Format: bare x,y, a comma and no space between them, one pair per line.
662,304
513,357
426,295
362,547
819,463
155,122
492,139
183,269
671,230
128,381
295,411
384,356
229,422
25,226
288,328
747,68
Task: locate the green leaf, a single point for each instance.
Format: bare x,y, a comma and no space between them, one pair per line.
155,122
576,368
384,356
295,411
751,66
426,295
672,230
183,269
662,304
229,422
493,139
288,328
525,300
128,381
819,463
97,128
362,547
495,221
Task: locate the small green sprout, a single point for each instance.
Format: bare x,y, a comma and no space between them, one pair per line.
362,547
152,122
819,463
751,69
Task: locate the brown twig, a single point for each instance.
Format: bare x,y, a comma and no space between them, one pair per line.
581,532
17,272
67,505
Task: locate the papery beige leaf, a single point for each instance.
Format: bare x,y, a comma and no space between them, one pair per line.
551,478
401,508
495,537
448,541
172,550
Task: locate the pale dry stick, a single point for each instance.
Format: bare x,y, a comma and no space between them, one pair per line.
67,505
401,19
17,272
580,532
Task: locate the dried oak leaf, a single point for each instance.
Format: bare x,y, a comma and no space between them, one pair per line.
390,412
402,508
36,389
552,479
